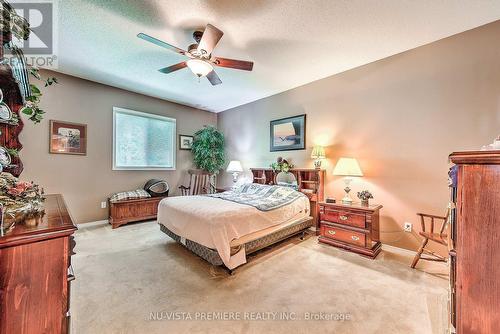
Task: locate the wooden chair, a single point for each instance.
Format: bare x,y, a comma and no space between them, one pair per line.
199,183
440,237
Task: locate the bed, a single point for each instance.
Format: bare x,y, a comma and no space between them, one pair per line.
224,228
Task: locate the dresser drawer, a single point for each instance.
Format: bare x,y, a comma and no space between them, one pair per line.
344,235
342,217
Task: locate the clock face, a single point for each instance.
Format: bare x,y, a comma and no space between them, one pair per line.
4,157
5,112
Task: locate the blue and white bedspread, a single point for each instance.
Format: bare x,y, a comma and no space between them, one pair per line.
261,196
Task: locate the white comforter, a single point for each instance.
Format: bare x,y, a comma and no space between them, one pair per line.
214,222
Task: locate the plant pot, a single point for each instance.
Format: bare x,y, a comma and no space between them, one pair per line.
365,202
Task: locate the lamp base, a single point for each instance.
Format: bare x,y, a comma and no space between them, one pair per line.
235,177
347,199
317,163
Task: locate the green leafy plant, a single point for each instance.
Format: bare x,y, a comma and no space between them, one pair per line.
10,21
32,108
208,149
281,165
12,152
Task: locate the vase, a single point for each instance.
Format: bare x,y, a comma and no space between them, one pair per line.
364,202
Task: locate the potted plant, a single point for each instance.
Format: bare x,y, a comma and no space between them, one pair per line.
281,165
208,151
365,196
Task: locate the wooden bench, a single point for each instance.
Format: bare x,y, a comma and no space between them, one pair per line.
133,210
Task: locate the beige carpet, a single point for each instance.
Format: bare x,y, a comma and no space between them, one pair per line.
129,276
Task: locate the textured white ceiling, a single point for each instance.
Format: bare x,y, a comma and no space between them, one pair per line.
292,42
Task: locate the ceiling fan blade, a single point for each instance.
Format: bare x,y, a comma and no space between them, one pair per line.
173,68
161,43
233,63
211,36
213,78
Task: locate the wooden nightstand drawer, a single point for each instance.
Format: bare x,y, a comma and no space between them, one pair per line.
342,217
344,235
353,227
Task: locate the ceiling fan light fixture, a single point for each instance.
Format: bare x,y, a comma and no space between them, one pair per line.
199,67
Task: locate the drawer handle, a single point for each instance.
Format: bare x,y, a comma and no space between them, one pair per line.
355,238
331,232
71,274
343,217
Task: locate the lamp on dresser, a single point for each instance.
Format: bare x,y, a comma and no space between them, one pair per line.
347,167
318,154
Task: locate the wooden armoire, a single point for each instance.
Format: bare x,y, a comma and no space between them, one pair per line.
475,242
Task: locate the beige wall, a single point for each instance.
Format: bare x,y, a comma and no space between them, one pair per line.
85,181
400,117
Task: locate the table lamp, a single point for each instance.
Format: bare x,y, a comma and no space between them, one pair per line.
347,167
235,168
318,153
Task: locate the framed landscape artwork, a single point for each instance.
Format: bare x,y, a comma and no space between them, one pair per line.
68,138
185,142
288,134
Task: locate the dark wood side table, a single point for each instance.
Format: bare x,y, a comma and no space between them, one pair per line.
352,227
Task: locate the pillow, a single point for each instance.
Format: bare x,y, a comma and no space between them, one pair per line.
294,186
134,194
287,179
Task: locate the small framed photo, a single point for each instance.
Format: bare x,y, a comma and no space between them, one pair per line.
68,138
288,134
185,142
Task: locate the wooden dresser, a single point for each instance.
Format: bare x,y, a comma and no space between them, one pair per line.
475,243
352,227
35,273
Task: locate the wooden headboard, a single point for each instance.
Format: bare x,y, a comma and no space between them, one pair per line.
311,182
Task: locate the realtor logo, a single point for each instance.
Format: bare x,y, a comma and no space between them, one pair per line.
40,48
40,16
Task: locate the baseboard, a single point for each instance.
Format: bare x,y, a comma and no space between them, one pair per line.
398,249
94,223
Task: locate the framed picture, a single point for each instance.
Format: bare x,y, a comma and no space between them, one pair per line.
68,138
288,134
185,142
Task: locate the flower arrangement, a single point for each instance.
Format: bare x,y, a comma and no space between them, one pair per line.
20,199
281,165
364,196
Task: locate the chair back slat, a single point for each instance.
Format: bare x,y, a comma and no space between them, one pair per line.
447,220
199,183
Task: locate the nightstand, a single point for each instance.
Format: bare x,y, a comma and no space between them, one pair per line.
352,227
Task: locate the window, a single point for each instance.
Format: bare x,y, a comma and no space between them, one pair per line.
143,141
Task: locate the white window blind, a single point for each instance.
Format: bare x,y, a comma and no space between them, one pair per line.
143,141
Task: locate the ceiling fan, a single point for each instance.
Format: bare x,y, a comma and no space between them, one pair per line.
201,62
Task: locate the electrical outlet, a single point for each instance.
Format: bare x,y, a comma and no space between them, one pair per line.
104,205
408,227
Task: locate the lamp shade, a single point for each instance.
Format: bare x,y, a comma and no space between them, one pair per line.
347,167
318,152
234,166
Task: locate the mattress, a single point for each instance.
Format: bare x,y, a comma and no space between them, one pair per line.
219,224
